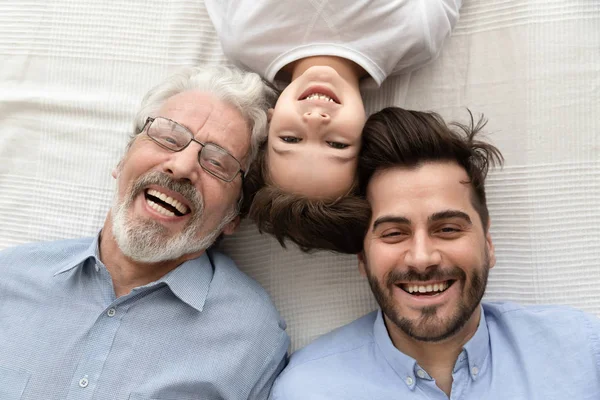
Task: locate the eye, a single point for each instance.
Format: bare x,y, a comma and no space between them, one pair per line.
448,231
170,140
215,163
290,139
337,145
393,236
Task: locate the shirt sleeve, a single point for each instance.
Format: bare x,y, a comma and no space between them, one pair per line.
440,17
272,368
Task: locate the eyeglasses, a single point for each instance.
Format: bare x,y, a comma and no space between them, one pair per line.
212,158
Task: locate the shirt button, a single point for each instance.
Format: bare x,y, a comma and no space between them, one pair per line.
111,312
409,381
474,370
421,374
83,382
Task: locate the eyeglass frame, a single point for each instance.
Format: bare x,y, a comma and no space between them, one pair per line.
149,122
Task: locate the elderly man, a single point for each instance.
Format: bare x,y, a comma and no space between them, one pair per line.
427,254
144,310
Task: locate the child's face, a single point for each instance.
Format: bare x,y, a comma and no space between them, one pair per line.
315,135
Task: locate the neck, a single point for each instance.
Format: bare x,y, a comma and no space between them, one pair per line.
437,358
347,69
127,273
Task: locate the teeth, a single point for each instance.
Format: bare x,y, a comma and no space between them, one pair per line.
160,209
175,203
319,96
438,287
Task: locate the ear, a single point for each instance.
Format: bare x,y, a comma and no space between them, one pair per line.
117,170
232,226
490,246
270,112
361,263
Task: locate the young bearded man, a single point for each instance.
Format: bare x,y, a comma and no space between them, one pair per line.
427,254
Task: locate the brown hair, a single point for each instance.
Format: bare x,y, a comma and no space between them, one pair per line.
310,223
397,137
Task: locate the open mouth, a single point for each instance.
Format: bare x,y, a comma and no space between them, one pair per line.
164,204
431,290
319,94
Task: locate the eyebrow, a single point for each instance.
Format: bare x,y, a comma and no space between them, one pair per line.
448,214
337,157
438,216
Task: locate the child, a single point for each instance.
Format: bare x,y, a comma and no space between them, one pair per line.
324,49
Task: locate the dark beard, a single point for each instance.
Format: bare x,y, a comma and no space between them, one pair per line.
430,328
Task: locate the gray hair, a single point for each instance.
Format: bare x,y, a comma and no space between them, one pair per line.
245,91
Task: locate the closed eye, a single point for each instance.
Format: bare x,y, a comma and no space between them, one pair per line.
338,145
290,139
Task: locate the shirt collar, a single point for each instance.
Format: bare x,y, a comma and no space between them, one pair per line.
190,281
77,259
476,351
402,364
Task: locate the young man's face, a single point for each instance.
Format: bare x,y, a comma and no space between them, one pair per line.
426,253
315,135
167,205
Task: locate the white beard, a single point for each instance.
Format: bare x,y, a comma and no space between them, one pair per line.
147,241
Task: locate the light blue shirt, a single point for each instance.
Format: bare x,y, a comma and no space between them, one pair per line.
203,331
517,353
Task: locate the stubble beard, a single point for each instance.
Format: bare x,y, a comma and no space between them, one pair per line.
148,241
430,327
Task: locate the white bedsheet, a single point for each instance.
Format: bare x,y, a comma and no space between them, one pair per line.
73,72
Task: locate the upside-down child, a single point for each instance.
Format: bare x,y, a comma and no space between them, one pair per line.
325,51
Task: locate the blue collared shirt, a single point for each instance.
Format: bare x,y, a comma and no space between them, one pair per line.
203,331
517,353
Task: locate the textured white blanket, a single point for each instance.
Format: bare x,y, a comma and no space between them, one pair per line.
73,72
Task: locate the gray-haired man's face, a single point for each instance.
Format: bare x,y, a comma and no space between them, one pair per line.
167,205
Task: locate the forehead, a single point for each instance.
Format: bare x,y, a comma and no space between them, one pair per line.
417,193
209,119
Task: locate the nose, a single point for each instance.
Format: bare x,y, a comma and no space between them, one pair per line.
422,253
316,117
184,165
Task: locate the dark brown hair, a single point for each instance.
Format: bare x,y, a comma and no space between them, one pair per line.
310,223
397,137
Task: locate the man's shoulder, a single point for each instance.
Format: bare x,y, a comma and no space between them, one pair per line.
509,313
230,286
43,253
227,273
542,325
338,343
342,347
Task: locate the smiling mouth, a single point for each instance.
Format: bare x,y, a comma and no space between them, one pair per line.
320,96
431,290
164,204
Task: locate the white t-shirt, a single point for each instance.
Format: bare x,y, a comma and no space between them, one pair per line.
382,36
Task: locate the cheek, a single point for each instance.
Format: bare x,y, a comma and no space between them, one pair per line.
465,254
382,259
218,197
354,122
